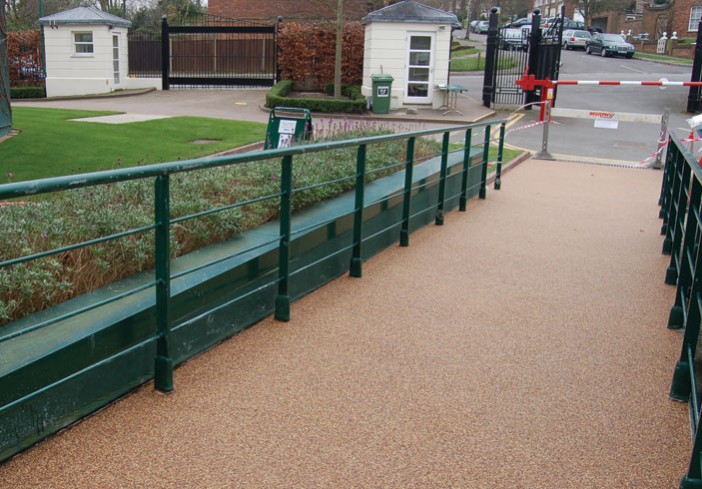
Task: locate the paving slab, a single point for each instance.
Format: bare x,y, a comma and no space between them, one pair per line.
520,345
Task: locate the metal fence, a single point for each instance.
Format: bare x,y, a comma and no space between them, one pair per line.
163,223
681,211
144,54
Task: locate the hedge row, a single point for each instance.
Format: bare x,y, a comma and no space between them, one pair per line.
277,97
26,92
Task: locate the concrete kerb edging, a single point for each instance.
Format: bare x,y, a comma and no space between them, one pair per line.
337,115
116,94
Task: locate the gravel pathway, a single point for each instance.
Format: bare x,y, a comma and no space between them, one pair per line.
521,345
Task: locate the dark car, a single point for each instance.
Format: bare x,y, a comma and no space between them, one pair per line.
609,45
514,39
519,23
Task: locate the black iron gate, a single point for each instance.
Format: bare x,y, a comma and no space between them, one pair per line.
511,52
511,57
210,52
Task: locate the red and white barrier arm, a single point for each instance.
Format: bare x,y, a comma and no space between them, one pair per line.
660,83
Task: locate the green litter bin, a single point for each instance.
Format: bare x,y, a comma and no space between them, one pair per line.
382,91
286,126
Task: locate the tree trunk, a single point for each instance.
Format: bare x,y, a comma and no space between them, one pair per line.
339,46
5,109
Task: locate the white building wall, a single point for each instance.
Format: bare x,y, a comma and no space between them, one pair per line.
69,73
385,51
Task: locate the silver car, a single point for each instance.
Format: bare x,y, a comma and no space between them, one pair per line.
575,39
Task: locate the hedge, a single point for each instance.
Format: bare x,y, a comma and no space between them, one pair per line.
27,92
277,97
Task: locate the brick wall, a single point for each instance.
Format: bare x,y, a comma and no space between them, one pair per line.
289,9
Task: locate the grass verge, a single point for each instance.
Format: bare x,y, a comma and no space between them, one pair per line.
50,144
661,57
478,64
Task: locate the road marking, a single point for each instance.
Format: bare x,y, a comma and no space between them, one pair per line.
632,69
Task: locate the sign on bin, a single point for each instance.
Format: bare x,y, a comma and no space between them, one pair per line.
286,126
383,91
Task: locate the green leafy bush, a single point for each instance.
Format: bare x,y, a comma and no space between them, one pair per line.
27,92
355,104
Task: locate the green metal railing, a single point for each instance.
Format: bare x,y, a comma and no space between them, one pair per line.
681,211
163,222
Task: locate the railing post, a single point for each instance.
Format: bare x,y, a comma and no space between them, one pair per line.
490,55
407,194
282,300
483,177
163,371
439,218
356,268
463,201
165,55
678,200
667,183
500,149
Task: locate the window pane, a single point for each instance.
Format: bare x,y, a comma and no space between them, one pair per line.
417,90
84,37
422,42
695,15
84,48
419,74
115,41
420,59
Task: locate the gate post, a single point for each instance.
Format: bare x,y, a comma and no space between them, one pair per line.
534,47
165,54
693,99
490,68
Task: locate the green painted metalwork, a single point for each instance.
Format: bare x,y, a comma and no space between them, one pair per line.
439,220
681,196
287,126
103,344
463,201
356,268
407,193
282,301
163,376
486,150
500,150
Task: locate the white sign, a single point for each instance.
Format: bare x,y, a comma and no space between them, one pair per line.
383,91
606,124
285,141
286,126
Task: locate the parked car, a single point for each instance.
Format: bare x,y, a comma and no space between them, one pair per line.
482,27
609,45
514,39
519,23
472,25
573,24
575,39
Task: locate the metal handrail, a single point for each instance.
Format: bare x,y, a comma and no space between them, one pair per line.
163,221
681,201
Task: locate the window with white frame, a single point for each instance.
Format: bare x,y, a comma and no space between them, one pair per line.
83,42
695,17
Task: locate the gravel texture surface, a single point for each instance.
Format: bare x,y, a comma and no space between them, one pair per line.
521,345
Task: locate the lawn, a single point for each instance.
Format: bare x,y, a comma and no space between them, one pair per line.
40,150
478,64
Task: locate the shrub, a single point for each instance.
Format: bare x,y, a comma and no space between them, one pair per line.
308,51
27,92
24,58
356,103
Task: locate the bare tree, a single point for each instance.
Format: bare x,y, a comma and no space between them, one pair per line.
590,8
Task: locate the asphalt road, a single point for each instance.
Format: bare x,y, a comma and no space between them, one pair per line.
578,138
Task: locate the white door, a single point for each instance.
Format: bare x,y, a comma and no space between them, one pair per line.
115,57
419,68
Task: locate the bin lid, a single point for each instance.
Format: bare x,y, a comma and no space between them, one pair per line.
382,77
